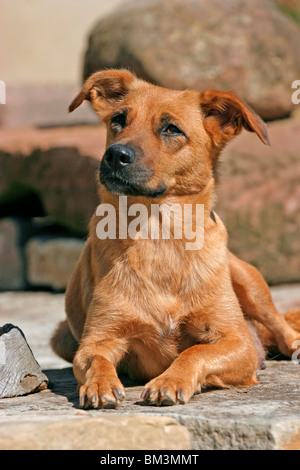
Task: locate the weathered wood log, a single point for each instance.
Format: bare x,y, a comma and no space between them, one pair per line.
20,373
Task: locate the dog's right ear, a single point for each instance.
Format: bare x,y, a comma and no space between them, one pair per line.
225,115
103,89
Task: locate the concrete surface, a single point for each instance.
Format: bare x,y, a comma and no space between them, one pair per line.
266,416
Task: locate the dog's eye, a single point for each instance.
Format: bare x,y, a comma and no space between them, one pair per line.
118,121
171,129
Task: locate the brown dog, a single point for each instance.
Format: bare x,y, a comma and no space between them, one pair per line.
161,313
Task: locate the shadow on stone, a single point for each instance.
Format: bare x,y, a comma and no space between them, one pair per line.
63,382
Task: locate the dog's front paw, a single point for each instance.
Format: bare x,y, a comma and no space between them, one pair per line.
167,390
101,392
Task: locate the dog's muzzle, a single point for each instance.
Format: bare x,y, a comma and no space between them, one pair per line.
122,172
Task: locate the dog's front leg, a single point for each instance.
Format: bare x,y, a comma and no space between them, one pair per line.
95,370
230,361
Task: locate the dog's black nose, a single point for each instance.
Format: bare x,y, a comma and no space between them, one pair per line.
117,156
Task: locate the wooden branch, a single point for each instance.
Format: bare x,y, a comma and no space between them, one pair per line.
20,373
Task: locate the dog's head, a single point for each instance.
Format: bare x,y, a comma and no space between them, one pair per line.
162,141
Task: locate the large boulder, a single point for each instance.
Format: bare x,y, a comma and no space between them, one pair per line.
246,45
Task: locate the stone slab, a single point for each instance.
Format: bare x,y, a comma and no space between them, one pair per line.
266,416
127,432
203,45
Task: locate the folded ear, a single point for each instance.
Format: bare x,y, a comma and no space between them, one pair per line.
225,115
104,88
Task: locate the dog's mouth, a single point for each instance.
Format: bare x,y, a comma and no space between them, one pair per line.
118,184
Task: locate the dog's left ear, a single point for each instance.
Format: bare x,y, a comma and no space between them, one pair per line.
104,88
225,115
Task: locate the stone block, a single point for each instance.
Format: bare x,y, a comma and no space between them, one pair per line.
12,267
51,261
250,47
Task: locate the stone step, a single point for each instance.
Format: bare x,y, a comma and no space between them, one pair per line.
265,416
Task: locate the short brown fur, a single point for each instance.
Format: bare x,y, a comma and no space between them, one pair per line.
165,315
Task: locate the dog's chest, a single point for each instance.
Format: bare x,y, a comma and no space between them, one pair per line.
153,348
163,266
163,289
156,344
